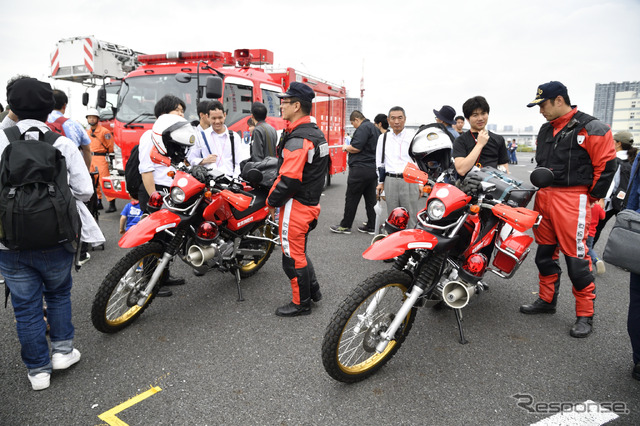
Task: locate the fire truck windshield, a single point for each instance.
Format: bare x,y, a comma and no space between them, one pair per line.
139,95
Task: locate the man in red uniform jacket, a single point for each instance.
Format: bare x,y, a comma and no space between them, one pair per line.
579,150
303,158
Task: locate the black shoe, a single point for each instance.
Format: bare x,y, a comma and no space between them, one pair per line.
112,207
198,273
539,307
173,281
366,230
636,372
293,310
99,205
164,292
317,296
582,328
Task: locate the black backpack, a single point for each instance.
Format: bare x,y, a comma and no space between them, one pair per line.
37,208
618,195
132,175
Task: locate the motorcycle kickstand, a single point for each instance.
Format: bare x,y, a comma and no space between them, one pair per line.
237,274
458,312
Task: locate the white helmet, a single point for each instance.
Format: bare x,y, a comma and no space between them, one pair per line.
431,149
92,111
170,130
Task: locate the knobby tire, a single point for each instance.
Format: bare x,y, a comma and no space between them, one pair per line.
135,268
349,356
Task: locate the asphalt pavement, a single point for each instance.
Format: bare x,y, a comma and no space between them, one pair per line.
203,358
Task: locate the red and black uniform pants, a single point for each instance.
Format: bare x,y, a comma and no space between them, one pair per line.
566,214
296,221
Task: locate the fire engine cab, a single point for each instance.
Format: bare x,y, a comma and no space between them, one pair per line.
245,80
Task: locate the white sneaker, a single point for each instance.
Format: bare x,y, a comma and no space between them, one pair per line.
64,361
600,268
84,260
40,381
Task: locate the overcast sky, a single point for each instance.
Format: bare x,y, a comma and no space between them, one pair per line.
419,54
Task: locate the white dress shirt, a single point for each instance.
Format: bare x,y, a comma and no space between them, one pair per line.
219,144
396,154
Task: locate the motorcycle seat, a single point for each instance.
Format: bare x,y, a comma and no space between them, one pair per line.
258,203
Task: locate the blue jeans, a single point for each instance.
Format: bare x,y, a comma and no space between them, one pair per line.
592,253
29,274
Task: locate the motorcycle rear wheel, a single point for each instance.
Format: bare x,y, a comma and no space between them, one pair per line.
249,265
348,348
114,306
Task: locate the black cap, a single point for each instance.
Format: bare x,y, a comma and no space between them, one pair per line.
446,114
300,91
550,90
31,98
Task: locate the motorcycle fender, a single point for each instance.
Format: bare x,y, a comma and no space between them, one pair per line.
144,230
399,242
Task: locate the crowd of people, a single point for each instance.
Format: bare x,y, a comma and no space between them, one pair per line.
595,174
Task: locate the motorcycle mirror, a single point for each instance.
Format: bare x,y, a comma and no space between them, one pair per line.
541,177
85,99
183,77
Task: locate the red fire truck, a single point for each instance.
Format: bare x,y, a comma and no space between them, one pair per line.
135,81
245,80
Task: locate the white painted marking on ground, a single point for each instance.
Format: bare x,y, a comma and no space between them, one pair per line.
589,414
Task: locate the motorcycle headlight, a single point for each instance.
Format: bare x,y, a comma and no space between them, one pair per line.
177,195
436,209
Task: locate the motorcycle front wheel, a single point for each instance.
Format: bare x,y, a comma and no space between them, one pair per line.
349,346
249,265
115,305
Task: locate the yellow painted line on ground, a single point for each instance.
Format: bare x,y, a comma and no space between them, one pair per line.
110,416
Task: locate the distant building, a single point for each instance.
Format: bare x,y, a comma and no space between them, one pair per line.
508,128
605,96
528,129
353,104
492,128
626,113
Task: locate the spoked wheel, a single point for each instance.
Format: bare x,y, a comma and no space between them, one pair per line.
116,303
349,346
249,265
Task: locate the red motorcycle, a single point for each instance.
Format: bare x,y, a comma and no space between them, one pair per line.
442,262
208,220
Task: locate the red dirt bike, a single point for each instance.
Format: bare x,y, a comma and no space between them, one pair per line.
442,261
208,220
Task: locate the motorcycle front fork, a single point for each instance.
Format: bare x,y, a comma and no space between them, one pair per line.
155,278
388,335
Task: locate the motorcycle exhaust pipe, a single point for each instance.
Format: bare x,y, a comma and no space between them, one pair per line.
457,294
377,238
198,255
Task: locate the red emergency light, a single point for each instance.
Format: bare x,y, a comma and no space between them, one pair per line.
247,57
224,58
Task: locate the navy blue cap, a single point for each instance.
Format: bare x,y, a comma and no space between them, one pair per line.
300,91
550,90
446,114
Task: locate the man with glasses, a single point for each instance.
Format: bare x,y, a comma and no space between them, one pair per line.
303,159
392,156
